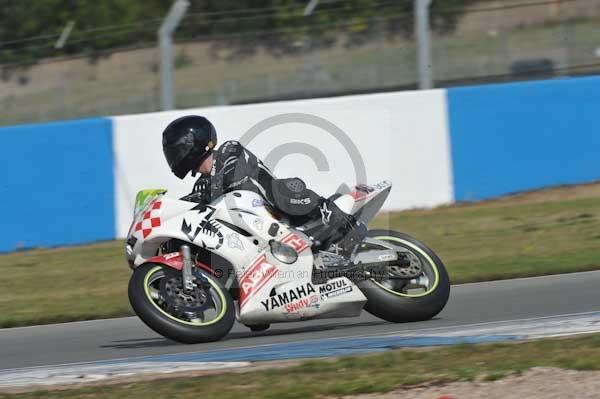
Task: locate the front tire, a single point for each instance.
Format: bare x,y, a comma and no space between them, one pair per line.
400,305
147,288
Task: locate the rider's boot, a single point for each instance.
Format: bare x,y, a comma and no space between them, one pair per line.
331,229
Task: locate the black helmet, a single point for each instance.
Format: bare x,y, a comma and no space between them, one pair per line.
187,141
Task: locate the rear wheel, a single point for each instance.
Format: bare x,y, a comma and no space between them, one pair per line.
202,315
395,298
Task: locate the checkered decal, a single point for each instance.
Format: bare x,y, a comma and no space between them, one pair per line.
150,219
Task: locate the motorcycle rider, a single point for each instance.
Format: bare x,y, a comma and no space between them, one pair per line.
189,146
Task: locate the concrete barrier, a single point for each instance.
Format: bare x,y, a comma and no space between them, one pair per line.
522,136
75,182
401,137
57,184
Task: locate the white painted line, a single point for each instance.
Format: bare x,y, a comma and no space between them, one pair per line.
488,323
54,375
530,328
418,332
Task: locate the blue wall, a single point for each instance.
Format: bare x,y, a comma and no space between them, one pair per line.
511,137
57,184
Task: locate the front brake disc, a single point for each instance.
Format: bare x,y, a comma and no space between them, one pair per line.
171,289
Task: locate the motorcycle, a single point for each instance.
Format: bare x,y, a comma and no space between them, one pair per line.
198,267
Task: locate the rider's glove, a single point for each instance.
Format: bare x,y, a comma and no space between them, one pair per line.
202,185
201,192
207,188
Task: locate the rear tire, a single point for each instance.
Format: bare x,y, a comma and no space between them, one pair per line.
399,307
169,325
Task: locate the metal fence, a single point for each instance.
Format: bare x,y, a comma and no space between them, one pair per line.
491,41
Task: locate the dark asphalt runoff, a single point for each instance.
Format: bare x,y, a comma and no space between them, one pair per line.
469,304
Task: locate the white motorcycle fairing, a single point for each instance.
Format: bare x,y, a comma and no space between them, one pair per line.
240,228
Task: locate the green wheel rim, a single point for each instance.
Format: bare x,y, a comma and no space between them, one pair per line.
436,274
196,324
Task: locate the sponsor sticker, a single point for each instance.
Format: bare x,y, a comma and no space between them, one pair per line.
288,297
334,289
382,185
300,201
257,275
295,242
234,242
310,302
256,202
259,224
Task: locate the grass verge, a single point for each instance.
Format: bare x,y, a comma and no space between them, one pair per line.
361,374
546,232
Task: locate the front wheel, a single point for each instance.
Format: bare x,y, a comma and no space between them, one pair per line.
404,300
203,315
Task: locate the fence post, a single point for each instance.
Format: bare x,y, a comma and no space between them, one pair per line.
165,45
423,36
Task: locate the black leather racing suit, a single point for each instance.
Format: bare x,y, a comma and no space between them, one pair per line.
236,168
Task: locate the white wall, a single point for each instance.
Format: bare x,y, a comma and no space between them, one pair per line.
402,137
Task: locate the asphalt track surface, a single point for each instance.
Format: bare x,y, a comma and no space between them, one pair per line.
469,304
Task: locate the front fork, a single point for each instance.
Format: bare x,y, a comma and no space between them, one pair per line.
188,269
